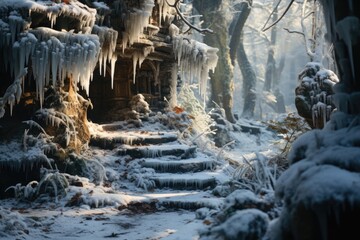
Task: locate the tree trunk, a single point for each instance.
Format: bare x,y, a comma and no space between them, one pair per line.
222,85
273,72
341,20
249,81
271,63
237,50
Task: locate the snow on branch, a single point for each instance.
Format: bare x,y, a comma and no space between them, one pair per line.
191,26
265,28
12,94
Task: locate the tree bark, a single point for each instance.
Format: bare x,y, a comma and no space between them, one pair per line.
221,81
271,63
237,50
273,72
341,17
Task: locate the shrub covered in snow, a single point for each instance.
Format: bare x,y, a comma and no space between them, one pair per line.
321,186
139,105
244,215
249,224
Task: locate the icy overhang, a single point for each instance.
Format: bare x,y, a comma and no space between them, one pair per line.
52,10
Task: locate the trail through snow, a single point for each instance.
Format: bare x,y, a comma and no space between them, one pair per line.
178,183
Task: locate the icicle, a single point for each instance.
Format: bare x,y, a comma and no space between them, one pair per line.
195,60
135,60
165,10
52,17
173,87
113,61
136,21
173,30
128,140
108,39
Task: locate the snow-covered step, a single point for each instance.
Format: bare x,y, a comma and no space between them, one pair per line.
189,200
200,180
177,166
154,151
110,139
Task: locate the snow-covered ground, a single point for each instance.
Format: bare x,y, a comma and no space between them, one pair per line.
111,204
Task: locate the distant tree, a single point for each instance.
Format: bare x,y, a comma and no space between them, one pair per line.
273,70
237,52
222,85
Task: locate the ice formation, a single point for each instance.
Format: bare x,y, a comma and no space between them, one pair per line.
195,60
191,182
53,10
14,158
108,38
165,11
173,87
65,54
139,57
306,183
55,55
136,21
102,11
316,90
176,165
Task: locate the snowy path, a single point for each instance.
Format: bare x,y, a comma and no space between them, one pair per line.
164,165
179,180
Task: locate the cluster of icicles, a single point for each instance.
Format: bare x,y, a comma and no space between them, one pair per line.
138,19
321,102
54,55
195,59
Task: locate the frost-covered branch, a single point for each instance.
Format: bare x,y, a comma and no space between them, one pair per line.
293,31
279,19
309,51
191,26
56,118
12,94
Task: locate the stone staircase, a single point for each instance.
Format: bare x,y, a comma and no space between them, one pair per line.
183,177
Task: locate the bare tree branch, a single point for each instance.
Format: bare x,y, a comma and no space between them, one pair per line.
278,20
191,26
292,31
